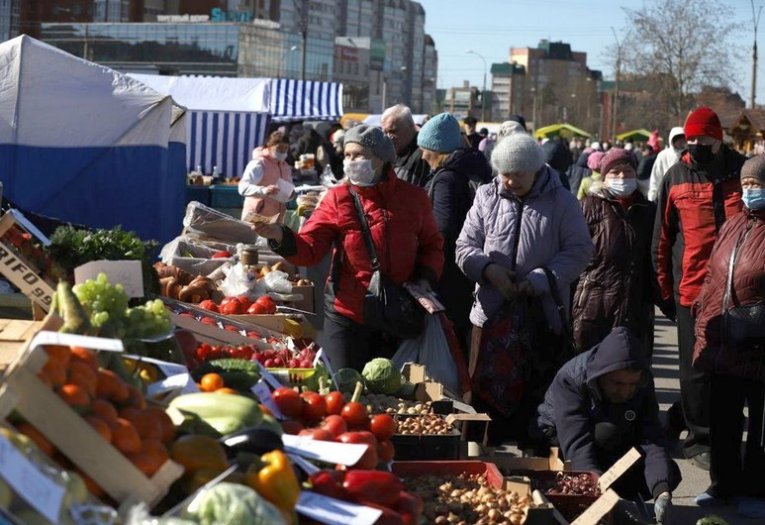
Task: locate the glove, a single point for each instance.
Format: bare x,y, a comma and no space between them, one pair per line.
669,309
662,507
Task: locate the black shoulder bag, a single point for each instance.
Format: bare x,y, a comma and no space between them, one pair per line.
387,306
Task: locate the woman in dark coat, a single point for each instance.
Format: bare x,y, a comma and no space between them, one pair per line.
734,352
617,287
456,172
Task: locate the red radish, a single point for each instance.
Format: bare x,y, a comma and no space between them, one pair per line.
383,426
354,413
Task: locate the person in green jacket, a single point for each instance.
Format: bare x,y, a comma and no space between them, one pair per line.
594,181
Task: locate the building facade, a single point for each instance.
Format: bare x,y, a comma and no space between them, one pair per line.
508,83
9,19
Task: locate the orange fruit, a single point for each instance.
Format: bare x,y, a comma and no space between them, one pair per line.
91,485
80,373
104,410
86,356
226,390
135,398
150,458
55,372
58,353
74,396
37,437
211,382
100,426
146,425
125,437
165,423
111,387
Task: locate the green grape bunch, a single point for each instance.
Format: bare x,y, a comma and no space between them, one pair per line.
108,303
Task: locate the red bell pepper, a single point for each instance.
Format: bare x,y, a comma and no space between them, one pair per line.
388,517
329,483
376,486
410,506
370,459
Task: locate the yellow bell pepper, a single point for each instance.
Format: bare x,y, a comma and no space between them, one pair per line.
273,478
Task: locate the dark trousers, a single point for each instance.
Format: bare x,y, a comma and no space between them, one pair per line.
694,388
349,344
731,474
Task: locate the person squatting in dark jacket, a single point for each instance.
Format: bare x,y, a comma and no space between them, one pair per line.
455,172
734,354
697,195
617,288
600,405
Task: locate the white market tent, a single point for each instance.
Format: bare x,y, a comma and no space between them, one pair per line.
229,117
86,144
376,119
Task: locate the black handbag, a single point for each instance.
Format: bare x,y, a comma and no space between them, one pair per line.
387,306
741,323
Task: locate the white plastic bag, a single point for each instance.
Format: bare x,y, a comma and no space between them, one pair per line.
239,281
431,349
277,281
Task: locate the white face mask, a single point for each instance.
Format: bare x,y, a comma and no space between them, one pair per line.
622,187
359,172
280,156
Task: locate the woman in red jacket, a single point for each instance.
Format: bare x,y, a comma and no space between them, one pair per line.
404,233
730,345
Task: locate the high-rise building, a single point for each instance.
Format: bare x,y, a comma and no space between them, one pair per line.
507,90
9,19
429,77
558,83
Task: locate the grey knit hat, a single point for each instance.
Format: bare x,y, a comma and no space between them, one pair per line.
516,153
754,168
509,127
372,138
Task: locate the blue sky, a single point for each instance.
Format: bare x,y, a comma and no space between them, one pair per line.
491,27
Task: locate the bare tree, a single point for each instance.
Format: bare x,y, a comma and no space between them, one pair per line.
684,44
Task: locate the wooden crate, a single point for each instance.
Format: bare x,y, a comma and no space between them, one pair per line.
206,333
14,335
24,393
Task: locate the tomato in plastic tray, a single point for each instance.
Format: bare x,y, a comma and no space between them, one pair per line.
570,505
427,446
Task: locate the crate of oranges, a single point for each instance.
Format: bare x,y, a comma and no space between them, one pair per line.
88,417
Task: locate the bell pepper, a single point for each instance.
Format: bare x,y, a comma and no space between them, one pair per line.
329,483
388,516
410,507
376,486
273,478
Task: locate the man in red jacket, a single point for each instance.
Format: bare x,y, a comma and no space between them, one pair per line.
697,195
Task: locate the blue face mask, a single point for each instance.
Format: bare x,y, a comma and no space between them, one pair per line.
754,198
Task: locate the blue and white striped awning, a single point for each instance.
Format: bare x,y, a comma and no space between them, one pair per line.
224,139
305,100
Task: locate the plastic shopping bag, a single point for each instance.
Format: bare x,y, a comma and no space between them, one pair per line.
431,349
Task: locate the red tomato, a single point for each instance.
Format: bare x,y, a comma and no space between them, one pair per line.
334,424
355,414
292,426
267,303
244,301
233,307
289,402
203,350
385,451
209,320
314,407
257,309
383,426
318,434
210,305
335,402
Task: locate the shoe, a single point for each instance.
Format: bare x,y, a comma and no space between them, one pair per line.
701,461
705,499
752,508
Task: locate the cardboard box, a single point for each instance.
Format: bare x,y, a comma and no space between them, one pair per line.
23,392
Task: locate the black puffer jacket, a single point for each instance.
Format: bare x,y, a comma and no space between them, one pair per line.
617,288
577,172
451,189
574,404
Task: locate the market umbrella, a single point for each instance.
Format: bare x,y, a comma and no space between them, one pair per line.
564,130
635,134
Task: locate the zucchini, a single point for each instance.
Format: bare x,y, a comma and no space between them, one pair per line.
239,374
222,413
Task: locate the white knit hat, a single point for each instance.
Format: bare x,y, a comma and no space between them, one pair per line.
517,153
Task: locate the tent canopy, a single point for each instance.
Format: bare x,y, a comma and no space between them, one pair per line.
375,120
635,134
86,144
564,130
293,100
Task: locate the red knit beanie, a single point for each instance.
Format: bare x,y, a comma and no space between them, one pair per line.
703,121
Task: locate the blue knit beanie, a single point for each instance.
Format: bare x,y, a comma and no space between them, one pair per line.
441,133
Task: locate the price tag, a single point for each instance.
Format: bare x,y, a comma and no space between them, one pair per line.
27,481
127,273
330,452
85,341
182,382
334,511
268,377
263,393
308,467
